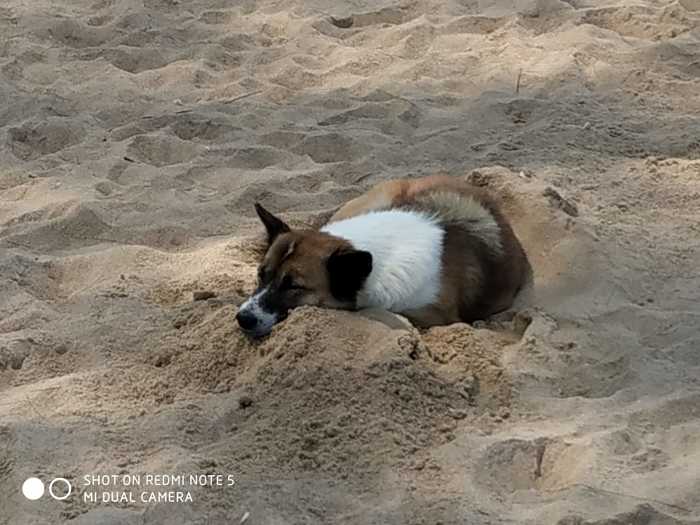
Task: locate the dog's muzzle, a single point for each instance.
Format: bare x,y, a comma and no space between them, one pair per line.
246,320
253,319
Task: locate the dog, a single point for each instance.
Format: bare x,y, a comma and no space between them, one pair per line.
436,250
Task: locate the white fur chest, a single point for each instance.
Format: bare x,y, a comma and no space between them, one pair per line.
406,248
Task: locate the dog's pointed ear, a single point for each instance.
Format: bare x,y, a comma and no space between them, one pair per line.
273,225
348,270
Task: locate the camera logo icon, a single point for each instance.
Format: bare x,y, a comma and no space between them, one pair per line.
33,488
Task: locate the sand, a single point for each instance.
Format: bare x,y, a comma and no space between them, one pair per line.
135,137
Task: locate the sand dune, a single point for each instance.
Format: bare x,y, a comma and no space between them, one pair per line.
135,137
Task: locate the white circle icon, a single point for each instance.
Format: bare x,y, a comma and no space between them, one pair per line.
33,488
69,488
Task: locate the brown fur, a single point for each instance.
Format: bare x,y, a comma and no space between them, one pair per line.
483,263
476,281
301,255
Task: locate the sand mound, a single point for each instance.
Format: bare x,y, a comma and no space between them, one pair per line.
135,137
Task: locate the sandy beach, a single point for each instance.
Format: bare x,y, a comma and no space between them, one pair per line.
135,137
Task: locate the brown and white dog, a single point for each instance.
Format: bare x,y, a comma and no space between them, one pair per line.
435,250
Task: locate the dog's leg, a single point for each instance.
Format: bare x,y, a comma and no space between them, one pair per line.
390,319
433,315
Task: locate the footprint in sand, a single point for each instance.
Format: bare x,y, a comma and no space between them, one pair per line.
71,33
135,60
33,140
542,463
331,147
190,126
161,150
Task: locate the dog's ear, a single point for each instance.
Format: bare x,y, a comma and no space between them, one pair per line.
273,225
347,271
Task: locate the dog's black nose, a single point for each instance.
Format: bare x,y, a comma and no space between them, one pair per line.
246,320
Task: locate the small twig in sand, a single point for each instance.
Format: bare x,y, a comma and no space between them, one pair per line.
362,177
240,97
517,82
229,101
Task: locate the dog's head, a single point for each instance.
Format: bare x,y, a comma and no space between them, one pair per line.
301,267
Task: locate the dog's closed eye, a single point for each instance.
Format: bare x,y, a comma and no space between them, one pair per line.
288,283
